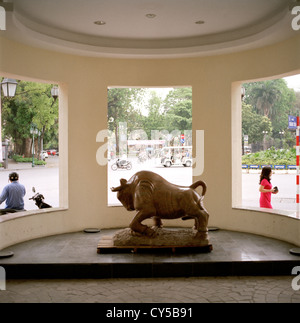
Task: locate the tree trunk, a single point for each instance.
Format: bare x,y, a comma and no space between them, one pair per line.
27,146
117,140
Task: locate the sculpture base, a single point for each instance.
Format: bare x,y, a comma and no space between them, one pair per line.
177,240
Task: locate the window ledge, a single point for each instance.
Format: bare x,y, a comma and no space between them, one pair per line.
290,214
17,215
114,205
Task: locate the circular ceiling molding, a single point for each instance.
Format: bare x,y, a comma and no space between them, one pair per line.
149,28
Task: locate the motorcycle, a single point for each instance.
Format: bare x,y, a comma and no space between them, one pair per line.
37,198
122,164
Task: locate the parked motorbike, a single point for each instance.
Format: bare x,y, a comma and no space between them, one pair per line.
37,198
122,164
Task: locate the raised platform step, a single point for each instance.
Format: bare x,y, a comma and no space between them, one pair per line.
74,255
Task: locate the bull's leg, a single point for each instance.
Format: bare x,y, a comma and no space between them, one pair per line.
201,220
157,222
137,226
196,219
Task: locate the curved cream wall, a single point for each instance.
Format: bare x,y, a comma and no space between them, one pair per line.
83,105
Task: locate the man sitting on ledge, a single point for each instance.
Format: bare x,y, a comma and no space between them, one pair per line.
13,193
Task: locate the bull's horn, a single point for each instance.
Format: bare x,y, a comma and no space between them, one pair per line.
115,189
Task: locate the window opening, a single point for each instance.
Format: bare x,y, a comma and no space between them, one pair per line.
149,129
30,140
269,138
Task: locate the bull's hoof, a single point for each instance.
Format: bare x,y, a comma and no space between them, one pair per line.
156,228
135,233
201,235
150,232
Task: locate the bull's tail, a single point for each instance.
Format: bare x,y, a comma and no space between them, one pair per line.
199,183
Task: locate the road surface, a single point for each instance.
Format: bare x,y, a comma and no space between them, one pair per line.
46,181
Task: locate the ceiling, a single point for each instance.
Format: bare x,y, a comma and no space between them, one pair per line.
148,28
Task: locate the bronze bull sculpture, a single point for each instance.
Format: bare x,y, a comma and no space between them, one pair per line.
153,197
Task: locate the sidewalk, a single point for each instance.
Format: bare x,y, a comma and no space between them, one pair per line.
52,161
275,171
44,178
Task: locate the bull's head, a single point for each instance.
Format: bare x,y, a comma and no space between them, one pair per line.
125,194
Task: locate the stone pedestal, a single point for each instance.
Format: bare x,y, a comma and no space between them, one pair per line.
164,238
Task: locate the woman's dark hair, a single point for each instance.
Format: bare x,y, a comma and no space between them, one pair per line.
265,174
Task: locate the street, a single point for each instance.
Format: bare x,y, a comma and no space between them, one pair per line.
284,200
179,175
45,179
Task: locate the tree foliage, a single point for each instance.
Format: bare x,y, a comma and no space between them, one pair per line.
271,99
122,104
32,104
145,111
178,109
254,124
264,95
154,118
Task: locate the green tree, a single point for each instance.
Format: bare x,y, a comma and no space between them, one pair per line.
32,103
148,112
178,109
284,106
264,96
297,103
123,107
276,101
154,120
254,124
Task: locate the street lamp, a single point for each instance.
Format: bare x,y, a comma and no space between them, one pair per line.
9,89
55,92
243,92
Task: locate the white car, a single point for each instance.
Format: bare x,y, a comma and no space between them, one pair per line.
168,162
44,155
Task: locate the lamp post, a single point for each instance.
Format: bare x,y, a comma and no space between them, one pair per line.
34,131
281,133
264,140
9,89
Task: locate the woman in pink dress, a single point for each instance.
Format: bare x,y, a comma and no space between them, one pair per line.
265,188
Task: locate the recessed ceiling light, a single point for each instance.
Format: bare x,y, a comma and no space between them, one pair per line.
200,22
99,22
150,15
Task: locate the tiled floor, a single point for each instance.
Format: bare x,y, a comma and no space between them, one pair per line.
67,268
243,289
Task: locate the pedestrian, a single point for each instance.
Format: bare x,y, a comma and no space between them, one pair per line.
13,193
266,188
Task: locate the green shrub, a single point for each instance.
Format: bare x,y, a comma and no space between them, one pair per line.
21,159
271,157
